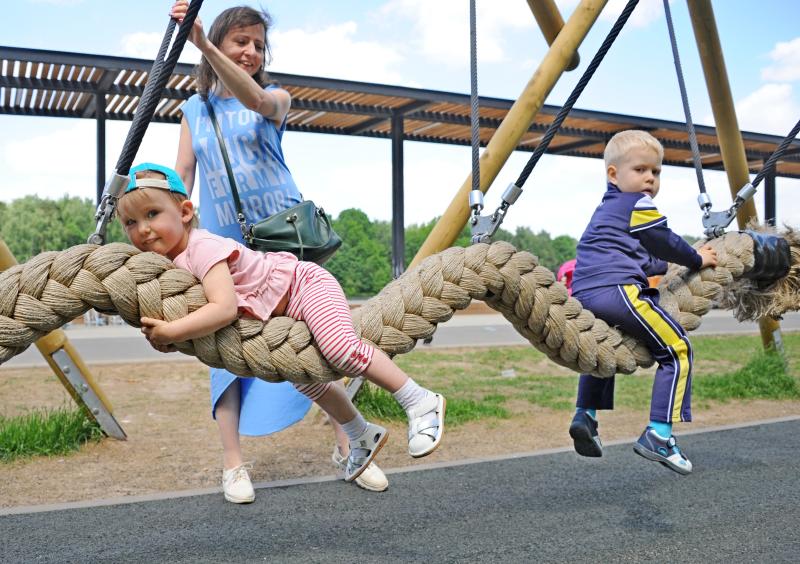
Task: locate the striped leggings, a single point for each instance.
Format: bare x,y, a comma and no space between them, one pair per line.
316,297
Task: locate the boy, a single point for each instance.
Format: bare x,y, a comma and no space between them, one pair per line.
626,241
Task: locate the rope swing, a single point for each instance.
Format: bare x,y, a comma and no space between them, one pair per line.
758,274
56,287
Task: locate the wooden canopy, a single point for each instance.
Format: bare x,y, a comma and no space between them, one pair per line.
52,83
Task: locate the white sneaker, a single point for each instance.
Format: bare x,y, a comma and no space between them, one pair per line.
237,486
363,450
426,425
372,478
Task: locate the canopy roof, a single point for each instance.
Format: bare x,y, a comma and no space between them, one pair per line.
52,83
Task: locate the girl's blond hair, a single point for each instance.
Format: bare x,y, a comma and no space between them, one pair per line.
619,145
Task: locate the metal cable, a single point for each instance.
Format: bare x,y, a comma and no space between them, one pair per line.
698,165
565,109
778,153
160,74
473,98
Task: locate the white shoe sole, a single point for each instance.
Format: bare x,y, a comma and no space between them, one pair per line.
366,486
233,499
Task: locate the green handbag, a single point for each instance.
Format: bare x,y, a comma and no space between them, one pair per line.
303,230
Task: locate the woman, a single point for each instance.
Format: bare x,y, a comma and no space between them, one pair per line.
252,116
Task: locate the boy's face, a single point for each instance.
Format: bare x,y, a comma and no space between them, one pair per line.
638,171
156,222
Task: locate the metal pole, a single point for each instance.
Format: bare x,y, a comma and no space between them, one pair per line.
769,198
550,22
514,125
100,118
398,204
728,133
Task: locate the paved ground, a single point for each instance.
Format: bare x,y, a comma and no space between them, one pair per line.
741,504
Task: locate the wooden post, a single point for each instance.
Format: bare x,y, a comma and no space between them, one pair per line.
550,22
70,369
514,125
730,138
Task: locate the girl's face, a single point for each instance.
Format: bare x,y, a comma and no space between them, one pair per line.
155,221
245,47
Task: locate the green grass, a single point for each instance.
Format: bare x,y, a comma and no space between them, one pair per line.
375,403
45,432
763,377
726,368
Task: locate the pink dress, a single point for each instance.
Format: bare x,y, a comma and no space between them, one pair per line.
260,280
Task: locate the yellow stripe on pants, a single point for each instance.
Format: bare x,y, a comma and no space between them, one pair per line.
671,339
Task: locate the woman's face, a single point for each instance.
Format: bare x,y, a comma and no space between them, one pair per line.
245,47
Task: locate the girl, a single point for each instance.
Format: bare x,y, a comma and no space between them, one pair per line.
158,216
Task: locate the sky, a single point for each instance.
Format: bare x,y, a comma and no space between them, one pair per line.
425,44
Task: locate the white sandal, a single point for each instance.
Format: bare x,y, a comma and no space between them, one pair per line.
363,450
426,426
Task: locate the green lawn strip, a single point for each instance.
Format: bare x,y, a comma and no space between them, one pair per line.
375,403
45,432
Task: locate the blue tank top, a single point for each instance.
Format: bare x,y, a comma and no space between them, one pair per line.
263,180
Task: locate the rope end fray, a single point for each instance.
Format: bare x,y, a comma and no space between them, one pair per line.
771,287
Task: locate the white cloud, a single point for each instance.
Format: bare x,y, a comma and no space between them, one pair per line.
145,45
62,158
786,57
50,164
441,29
332,52
770,109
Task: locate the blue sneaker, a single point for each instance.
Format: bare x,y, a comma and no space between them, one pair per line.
651,446
583,431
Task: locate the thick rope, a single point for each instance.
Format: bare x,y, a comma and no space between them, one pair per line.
56,287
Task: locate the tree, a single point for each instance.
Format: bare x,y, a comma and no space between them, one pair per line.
32,225
362,264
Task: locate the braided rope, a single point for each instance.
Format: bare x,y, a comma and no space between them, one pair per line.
56,287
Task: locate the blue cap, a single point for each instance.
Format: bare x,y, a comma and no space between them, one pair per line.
173,182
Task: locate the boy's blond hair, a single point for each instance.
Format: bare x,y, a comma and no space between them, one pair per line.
622,142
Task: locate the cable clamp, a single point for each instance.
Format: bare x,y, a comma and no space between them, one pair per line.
115,186
484,227
715,223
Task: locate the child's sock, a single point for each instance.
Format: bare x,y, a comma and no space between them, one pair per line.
410,394
663,430
355,427
591,412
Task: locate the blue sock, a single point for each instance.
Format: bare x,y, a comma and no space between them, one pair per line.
592,412
664,430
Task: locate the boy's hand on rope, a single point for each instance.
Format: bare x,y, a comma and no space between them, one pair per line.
157,333
709,255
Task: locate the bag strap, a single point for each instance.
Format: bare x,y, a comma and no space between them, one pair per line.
234,192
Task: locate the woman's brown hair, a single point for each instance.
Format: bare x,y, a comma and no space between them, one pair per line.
240,16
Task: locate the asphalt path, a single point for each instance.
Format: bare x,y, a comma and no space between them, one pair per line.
126,344
741,504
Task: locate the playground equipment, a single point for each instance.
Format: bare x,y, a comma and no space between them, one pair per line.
119,278
67,365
